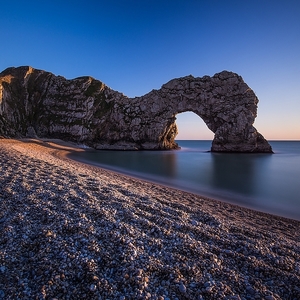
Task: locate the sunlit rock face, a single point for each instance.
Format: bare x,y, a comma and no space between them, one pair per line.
35,103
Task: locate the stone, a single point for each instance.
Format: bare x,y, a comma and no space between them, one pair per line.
93,287
36,103
182,288
269,297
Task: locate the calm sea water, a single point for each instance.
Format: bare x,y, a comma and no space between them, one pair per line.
264,182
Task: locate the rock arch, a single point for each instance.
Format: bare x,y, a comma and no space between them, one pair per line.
40,104
225,103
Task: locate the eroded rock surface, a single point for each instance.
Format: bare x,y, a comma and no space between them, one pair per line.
35,103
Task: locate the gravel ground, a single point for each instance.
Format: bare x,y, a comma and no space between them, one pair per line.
72,231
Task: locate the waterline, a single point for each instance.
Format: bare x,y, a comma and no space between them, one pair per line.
264,182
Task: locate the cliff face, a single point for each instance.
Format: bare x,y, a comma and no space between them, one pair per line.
35,103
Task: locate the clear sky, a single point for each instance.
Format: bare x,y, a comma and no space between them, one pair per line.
134,46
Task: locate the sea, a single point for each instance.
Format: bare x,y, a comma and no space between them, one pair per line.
263,182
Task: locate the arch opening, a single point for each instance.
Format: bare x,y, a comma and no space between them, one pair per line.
190,126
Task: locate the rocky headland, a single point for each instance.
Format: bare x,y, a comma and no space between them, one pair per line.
36,103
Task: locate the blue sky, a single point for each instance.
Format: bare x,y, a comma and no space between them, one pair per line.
135,46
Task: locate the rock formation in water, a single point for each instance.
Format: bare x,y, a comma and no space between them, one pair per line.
35,103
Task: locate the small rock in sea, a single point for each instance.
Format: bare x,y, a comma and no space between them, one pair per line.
182,288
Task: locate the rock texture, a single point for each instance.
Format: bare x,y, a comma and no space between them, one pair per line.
35,103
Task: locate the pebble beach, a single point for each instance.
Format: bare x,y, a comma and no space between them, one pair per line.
69,230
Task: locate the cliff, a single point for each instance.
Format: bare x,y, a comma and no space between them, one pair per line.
36,103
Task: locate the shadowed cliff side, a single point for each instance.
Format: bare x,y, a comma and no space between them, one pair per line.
36,103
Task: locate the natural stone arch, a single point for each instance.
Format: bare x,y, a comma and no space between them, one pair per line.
39,104
224,102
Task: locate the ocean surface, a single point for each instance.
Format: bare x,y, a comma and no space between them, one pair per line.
264,182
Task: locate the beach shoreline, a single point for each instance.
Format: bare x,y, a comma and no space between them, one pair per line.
228,196
127,237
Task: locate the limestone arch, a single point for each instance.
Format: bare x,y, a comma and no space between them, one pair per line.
224,102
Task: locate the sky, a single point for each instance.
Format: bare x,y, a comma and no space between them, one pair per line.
134,46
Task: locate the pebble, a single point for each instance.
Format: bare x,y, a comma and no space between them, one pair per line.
250,290
2,294
93,287
182,288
